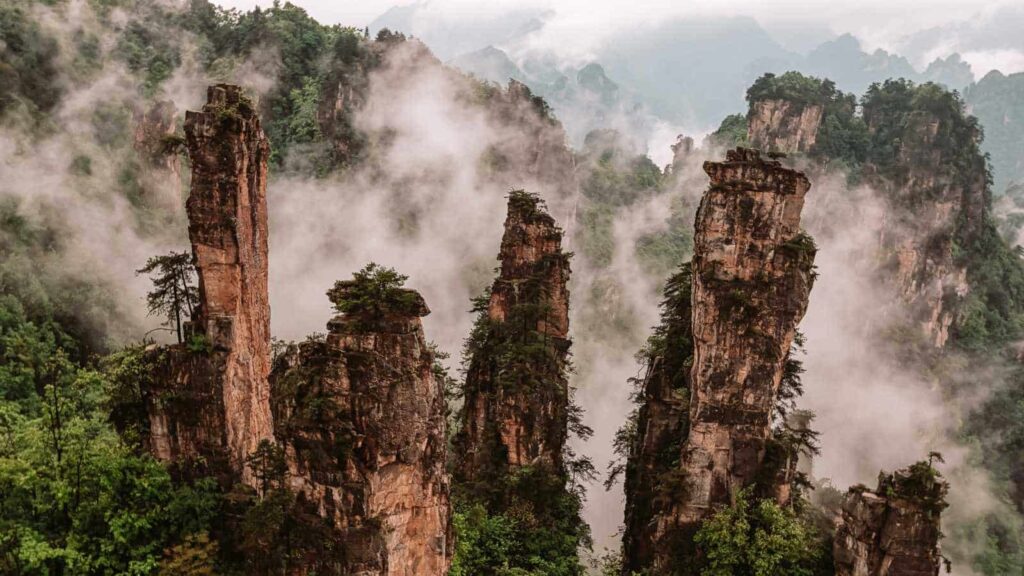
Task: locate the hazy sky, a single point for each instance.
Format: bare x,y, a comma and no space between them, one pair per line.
877,22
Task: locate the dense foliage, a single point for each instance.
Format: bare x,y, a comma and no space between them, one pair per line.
793,87
758,538
521,519
732,132
373,292
75,496
27,61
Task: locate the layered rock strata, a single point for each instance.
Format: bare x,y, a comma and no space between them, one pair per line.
894,530
752,275
209,402
705,435
361,418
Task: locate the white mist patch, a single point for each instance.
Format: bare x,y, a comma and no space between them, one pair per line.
429,214
874,412
604,366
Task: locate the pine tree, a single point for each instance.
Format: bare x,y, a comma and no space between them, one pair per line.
174,293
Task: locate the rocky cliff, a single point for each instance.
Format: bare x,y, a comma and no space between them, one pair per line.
936,203
361,418
210,398
917,149
652,474
751,275
516,400
511,458
783,125
894,530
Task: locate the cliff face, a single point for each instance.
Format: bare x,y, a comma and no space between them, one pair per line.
932,204
652,475
227,212
361,418
935,189
895,530
210,398
359,414
752,274
514,416
511,460
783,125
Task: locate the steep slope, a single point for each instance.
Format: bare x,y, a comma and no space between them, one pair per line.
952,289
510,452
915,145
653,444
751,276
210,399
361,418
514,417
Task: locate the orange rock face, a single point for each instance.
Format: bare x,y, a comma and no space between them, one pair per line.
361,418
783,125
704,436
227,212
752,276
893,531
213,405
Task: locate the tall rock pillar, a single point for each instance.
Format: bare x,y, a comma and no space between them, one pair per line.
704,435
652,472
208,400
511,456
517,395
752,274
362,420
227,213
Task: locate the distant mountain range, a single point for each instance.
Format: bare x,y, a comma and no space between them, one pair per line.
687,74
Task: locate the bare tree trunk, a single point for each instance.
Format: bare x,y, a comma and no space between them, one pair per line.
177,311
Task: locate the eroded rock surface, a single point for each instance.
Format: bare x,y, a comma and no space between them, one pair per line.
894,530
704,436
653,475
514,416
217,382
784,126
752,274
934,205
361,418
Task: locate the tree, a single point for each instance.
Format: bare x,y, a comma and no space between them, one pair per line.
757,538
174,293
195,556
374,291
269,466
